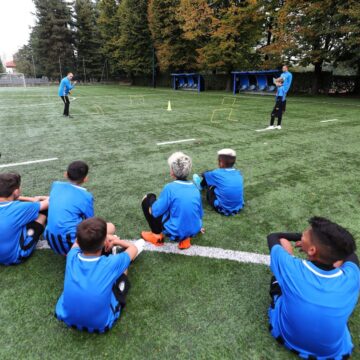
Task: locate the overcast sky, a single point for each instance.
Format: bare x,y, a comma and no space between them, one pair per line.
15,20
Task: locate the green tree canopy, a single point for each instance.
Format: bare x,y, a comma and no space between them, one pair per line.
108,23
309,32
52,38
2,68
87,40
226,33
134,45
23,61
174,52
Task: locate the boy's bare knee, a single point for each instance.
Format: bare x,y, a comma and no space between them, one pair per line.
41,219
110,228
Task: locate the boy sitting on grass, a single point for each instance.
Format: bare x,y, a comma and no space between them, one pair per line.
225,186
21,222
70,203
313,299
95,285
178,211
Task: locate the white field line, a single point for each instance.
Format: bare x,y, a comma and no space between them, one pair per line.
202,251
32,105
28,162
174,142
28,105
324,121
266,129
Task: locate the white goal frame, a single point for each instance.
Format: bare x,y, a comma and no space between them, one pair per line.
11,81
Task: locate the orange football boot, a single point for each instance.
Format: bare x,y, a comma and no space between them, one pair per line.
184,244
155,239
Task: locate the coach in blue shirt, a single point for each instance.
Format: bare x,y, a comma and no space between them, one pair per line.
64,90
287,76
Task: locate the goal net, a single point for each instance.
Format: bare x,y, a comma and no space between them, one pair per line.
17,79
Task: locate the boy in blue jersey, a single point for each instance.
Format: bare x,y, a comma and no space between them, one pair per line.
277,111
177,213
69,204
313,299
95,285
287,76
225,186
21,222
64,90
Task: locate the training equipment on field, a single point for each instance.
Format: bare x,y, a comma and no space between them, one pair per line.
137,99
216,119
169,106
229,100
193,81
254,81
98,109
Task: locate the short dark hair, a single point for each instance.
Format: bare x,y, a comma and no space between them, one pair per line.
8,183
77,171
91,234
228,160
335,242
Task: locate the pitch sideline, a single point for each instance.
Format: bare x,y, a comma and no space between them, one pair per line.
196,250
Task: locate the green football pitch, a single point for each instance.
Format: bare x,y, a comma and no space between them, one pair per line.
178,307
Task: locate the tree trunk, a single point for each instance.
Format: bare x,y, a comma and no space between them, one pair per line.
317,78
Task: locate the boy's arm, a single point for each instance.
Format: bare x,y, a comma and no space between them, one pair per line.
208,178
131,249
44,201
89,210
274,238
161,205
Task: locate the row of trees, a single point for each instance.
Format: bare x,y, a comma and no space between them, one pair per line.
121,36
2,69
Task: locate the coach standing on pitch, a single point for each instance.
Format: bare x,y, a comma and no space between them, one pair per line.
287,76
64,90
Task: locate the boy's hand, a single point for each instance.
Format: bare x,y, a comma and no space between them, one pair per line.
286,244
41,198
298,244
338,263
202,230
110,241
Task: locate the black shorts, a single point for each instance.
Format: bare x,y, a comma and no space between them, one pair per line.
275,291
29,240
120,290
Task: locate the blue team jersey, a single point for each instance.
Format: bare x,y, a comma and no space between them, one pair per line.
287,76
65,87
14,216
180,206
312,313
281,92
229,189
68,206
88,301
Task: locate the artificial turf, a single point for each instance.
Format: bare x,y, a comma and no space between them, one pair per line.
178,307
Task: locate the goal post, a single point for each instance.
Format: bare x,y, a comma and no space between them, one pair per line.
9,80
